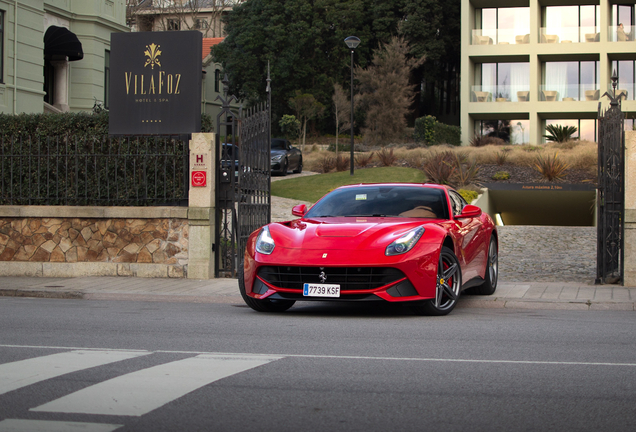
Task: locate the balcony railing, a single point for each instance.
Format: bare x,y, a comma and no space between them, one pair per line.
621,34
500,93
569,93
500,37
569,34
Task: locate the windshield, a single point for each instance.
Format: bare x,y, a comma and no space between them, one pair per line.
278,144
380,201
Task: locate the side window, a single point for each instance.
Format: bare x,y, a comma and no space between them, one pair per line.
457,202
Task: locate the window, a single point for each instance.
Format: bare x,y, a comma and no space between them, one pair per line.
1,46
626,78
217,81
106,78
200,23
502,26
574,24
502,82
173,25
570,81
457,201
585,128
622,14
510,131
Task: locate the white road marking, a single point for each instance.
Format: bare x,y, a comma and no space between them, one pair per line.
13,425
421,359
140,392
22,373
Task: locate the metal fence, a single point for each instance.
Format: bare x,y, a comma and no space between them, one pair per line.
100,171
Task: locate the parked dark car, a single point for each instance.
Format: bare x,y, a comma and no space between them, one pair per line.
285,157
229,152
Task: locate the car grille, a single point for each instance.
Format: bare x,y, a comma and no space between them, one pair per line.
349,278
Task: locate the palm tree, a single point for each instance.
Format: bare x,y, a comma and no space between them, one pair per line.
560,133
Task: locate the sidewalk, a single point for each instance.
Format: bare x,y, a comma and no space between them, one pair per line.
519,295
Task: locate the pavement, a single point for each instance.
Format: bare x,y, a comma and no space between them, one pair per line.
515,295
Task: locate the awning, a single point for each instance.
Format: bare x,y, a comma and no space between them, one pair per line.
60,41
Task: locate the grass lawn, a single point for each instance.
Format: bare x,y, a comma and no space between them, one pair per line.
312,188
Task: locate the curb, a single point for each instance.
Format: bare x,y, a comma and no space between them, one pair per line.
68,295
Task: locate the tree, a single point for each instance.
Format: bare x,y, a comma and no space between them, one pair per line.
289,125
304,42
560,133
307,108
385,91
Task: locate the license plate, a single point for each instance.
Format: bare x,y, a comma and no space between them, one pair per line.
321,290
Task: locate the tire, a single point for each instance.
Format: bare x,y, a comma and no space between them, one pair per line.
448,286
299,168
264,305
492,271
284,167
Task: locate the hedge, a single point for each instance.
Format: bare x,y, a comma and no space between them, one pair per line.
429,131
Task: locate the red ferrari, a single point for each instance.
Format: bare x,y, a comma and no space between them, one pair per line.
395,242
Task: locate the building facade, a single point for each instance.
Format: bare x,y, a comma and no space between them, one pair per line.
527,64
44,71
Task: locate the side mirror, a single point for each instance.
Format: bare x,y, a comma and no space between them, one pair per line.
299,210
469,211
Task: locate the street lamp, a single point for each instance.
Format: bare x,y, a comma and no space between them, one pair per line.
352,42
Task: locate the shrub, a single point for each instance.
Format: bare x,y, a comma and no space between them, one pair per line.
429,131
440,167
560,133
448,134
501,175
289,125
550,167
387,158
363,160
465,171
480,141
468,195
502,156
342,163
327,164
424,130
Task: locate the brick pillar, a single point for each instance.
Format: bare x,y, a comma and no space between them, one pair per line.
630,209
201,206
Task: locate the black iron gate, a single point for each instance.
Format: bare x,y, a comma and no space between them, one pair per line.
611,191
243,199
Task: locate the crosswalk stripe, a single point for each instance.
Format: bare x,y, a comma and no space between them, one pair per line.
140,392
14,425
22,373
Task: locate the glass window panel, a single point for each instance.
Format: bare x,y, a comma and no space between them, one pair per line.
489,18
588,129
588,16
489,77
625,15
519,131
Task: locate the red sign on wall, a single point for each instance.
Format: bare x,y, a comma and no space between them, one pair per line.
199,178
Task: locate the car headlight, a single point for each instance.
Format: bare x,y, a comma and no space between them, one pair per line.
405,243
277,158
265,242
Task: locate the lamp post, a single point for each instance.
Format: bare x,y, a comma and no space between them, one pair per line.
352,42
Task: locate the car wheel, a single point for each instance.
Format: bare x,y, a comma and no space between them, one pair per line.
299,168
448,284
264,305
492,271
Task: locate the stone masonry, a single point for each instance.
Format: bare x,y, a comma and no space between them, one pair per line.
71,240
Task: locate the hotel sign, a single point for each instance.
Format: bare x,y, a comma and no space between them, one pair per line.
155,83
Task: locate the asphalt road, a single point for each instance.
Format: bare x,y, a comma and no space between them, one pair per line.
135,366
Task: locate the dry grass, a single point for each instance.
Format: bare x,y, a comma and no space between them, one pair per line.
576,154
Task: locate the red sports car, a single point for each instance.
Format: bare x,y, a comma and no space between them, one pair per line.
397,242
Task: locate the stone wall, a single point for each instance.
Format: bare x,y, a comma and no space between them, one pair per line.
127,241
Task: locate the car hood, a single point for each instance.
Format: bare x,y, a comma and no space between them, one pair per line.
277,152
350,233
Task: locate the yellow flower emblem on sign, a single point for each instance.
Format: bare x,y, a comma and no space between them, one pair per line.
152,52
